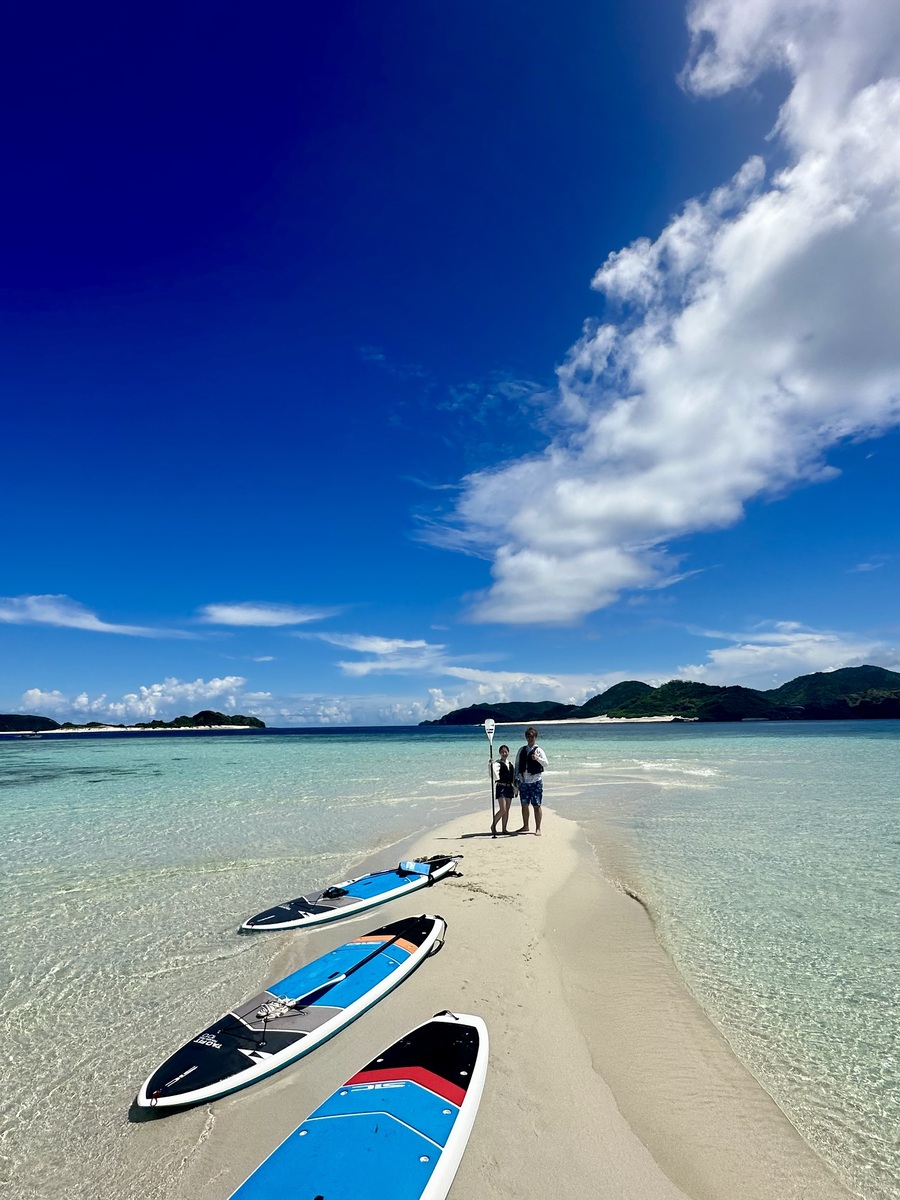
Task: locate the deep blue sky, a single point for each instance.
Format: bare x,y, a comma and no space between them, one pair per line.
266,278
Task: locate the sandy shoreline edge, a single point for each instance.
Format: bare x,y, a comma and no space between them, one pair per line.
605,1080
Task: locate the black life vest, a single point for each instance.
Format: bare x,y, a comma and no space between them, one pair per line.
525,764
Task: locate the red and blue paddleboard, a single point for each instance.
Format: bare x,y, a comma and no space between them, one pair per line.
396,1130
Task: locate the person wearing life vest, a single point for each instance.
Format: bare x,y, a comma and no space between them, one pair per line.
504,789
531,762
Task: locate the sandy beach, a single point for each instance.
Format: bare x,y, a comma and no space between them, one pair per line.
666,720
605,1078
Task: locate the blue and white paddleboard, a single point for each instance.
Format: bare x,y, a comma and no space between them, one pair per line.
396,1131
354,896
292,1016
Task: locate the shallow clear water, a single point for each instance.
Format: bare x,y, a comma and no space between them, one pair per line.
769,856
126,865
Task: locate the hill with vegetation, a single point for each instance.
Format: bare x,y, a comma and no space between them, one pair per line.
826,686
18,723
205,718
850,693
524,710
614,697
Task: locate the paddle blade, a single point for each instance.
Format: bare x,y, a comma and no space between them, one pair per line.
489,726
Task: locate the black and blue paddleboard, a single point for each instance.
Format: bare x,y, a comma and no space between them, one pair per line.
293,1016
354,896
396,1131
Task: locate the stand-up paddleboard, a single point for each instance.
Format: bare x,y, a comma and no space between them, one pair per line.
395,1131
354,896
293,1016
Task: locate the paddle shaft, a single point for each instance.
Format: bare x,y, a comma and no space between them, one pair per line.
330,983
489,730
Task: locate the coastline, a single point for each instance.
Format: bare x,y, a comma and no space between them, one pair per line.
667,720
605,1077
42,733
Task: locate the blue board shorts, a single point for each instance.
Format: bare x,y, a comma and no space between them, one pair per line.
531,793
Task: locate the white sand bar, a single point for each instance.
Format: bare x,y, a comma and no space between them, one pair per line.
597,721
605,1079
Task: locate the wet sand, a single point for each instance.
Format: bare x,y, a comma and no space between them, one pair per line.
605,1078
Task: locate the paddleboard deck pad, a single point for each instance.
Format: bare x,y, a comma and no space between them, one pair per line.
354,896
396,1130
293,1016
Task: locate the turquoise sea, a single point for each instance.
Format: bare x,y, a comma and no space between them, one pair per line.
769,856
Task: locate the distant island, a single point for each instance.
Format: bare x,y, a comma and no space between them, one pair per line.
850,693
19,723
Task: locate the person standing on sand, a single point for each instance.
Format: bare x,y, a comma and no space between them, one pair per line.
530,764
504,789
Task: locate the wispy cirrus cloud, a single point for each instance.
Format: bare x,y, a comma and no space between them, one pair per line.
65,613
874,564
398,655
471,410
373,644
759,330
261,614
419,657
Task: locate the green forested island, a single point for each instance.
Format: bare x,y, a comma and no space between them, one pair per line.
19,723
845,694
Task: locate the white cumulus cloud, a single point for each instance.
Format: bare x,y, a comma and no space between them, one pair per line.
45,704
781,650
163,700
496,687
758,330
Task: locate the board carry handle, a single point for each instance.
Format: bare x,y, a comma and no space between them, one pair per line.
439,944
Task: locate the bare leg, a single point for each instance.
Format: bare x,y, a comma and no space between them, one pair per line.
538,815
524,828
502,815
